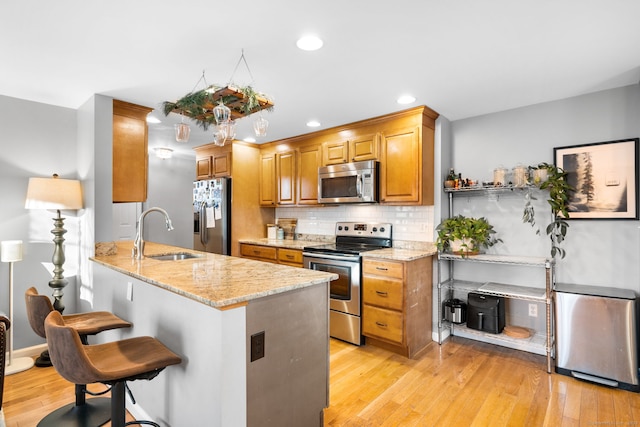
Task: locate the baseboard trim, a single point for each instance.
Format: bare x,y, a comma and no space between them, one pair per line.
29,351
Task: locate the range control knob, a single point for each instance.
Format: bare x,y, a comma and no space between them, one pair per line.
375,229
382,229
340,227
346,228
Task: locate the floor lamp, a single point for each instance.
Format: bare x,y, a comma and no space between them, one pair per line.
11,251
55,194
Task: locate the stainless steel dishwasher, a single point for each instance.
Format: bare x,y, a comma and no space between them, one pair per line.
596,335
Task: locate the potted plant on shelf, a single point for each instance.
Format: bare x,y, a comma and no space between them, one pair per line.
465,236
552,178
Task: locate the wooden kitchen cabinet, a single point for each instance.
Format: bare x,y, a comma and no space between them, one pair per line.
285,256
309,160
402,142
397,304
130,155
286,178
406,159
278,178
355,149
268,180
292,257
213,161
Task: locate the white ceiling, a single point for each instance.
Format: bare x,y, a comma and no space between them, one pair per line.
462,58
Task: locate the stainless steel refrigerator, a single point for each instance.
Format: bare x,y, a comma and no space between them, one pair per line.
212,216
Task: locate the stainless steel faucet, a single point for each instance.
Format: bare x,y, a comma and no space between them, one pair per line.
138,243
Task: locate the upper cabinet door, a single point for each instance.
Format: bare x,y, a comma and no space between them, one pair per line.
364,147
335,152
286,177
221,164
130,156
203,167
309,160
400,166
267,180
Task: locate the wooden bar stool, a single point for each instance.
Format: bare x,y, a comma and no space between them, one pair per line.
83,412
111,363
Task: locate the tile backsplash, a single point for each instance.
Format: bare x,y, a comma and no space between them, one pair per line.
410,223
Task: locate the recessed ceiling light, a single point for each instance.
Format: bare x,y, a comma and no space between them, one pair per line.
309,42
406,99
154,120
249,139
313,123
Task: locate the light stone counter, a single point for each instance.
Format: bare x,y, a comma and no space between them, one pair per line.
282,243
404,251
400,254
215,280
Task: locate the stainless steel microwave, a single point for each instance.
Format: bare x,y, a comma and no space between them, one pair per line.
355,182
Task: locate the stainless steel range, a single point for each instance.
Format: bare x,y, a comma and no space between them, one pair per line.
344,259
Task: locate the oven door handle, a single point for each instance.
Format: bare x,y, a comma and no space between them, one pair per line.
318,257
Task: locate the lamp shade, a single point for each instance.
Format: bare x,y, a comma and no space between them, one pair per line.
54,193
11,250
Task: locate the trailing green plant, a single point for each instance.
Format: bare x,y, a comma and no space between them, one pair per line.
559,193
197,105
477,231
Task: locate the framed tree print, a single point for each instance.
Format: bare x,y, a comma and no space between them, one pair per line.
604,176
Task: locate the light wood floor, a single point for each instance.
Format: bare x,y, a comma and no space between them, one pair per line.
461,383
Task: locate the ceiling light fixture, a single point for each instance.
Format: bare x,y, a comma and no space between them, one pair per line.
309,43
221,106
163,152
153,120
313,123
406,99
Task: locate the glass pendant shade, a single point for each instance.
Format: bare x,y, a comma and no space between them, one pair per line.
182,132
260,126
221,113
228,129
218,137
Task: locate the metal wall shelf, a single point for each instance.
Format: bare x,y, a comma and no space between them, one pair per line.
542,344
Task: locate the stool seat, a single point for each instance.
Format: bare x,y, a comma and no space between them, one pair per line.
94,322
91,323
128,359
111,363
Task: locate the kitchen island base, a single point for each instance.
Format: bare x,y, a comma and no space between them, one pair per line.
217,383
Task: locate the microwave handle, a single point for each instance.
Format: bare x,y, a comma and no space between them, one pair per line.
359,183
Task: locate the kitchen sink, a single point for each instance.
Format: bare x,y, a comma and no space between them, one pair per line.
178,256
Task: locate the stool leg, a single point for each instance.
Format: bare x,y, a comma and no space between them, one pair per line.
118,405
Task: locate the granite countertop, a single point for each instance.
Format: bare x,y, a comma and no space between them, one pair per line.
400,254
216,280
282,243
405,251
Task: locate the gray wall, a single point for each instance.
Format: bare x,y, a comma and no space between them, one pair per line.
37,140
602,252
170,188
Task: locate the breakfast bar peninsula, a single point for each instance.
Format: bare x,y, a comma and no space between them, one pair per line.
253,336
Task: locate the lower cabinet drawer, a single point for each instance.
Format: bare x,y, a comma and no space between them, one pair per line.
382,323
381,292
258,252
290,257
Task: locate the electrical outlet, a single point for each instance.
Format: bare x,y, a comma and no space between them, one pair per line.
533,310
130,291
257,346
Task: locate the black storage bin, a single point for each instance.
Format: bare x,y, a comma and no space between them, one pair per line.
485,312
